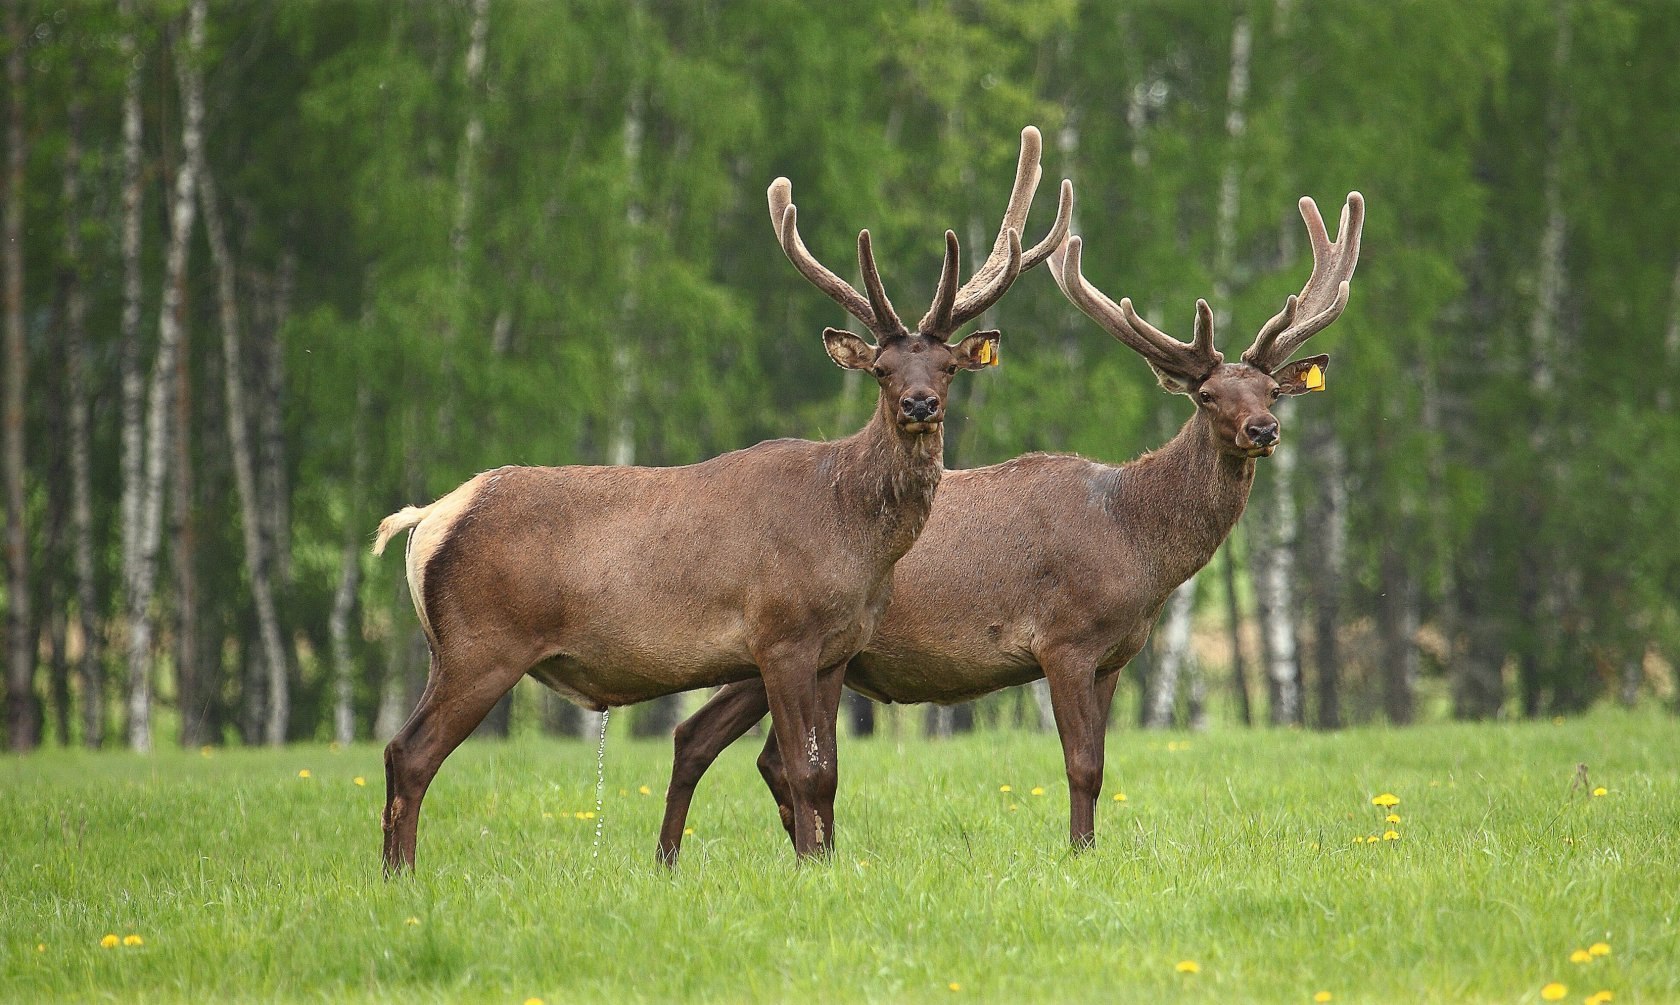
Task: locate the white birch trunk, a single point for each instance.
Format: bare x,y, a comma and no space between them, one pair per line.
133,381
277,707
81,465
1173,656
159,394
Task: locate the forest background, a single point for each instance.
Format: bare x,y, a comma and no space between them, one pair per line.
272,271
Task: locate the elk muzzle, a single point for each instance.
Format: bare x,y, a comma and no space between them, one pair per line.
919,411
1261,434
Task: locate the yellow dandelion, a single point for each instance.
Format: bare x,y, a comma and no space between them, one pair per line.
589,814
548,816
1188,967
133,940
1580,956
40,947
1392,818
644,790
1391,835
1554,991
411,920
304,773
1119,797
688,831
1600,997
533,1001
863,863
110,941
1387,800
954,986
1601,791
1372,839
1322,997
204,751
1599,949
359,780
1006,788
1013,807
1038,790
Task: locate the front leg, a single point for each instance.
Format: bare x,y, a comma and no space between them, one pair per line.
1081,705
698,741
803,709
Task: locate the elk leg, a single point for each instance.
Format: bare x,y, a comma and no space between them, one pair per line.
831,685
455,701
1074,700
775,777
697,742
795,713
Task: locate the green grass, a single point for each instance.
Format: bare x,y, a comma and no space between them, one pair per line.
1236,850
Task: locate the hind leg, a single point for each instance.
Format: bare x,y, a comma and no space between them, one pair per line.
698,742
458,695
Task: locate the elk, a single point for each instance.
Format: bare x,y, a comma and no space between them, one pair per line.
613,585
1055,566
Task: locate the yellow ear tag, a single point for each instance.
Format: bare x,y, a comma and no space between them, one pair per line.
985,354
1315,378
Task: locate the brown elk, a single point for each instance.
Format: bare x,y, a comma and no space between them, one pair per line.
1069,569
613,585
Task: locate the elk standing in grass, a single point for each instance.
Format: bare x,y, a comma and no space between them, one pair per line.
1054,566
613,585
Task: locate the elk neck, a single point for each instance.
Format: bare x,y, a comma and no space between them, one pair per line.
1182,499
888,477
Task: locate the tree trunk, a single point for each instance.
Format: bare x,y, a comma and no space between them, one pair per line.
133,380
273,485
1397,624
81,467
159,394
183,535
277,706
1233,622
349,582
1273,559
1325,583
22,714
1172,655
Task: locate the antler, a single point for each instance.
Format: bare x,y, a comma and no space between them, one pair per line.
876,312
1186,361
952,308
1320,301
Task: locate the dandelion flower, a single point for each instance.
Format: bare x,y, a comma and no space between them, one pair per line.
1554,991
1322,997
1391,835
304,773
1119,797
1006,788
1601,791
863,863
359,780
1038,790
1599,949
411,920
1600,997
133,940
110,942
1387,800
548,816
644,790
1371,839
688,831
1013,807
954,986
40,947
1392,818
1580,956
533,1001
1188,967
204,751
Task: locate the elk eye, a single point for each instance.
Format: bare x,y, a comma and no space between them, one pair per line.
880,372
1206,396
1277,392
950,368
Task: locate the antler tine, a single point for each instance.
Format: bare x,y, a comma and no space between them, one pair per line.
1191,361
784,217
939,315
887,318
1325,295
1000,269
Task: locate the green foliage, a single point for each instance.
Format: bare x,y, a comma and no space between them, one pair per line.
1234,850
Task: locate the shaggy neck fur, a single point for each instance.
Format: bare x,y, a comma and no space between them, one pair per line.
888,477
1183,498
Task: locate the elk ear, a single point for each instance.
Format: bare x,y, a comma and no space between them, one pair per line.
978,351
1303,375
1171,383
848,350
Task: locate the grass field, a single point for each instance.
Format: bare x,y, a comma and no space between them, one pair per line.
1247,854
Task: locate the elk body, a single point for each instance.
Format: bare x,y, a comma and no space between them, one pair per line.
1054,566
613,585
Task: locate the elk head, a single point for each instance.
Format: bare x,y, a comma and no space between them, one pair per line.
914,367
1236,398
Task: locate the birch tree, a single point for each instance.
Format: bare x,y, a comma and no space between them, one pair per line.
22,711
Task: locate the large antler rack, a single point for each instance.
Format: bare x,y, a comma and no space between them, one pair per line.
952,306
1322,300
1189,362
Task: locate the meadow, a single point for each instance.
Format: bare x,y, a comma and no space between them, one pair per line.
1231,866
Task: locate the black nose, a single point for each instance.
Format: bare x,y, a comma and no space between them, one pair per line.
1263,432
919,407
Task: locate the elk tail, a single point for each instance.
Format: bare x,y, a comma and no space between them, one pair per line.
396,523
